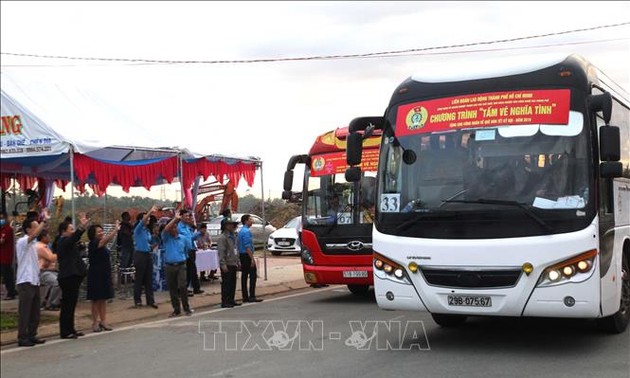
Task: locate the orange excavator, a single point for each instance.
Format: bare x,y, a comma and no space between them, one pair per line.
215,192
226,193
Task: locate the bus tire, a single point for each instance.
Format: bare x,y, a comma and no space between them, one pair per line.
618,322
448,320
276,253
360,290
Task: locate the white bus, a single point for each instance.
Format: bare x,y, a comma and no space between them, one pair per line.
504,192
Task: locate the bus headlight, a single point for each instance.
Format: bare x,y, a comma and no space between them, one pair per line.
388,269
306,257
378,264
575,269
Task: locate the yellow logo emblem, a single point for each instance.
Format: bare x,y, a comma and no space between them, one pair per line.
416,118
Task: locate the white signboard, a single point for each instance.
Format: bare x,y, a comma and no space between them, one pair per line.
22,134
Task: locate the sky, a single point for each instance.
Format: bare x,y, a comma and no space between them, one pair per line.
276,110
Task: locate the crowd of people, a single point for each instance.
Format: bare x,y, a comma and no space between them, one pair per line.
60,267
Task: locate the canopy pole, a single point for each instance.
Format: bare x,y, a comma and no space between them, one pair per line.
181,179
72,185
105,208
14,198
262,192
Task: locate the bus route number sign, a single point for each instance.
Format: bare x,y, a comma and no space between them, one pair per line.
390,203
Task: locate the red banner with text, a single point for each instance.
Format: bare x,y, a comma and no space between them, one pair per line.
509,108
333,163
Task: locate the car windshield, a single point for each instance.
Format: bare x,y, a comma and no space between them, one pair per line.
293,223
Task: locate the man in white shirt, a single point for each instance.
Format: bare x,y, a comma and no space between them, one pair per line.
28,282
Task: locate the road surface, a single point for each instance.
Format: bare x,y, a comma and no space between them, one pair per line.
329,333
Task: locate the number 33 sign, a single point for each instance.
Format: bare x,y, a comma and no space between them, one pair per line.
390,203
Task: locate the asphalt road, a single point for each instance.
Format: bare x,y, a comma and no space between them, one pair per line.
329,333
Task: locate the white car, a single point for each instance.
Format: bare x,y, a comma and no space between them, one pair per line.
286,239
214,228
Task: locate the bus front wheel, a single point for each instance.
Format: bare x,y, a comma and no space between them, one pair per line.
618,322
447,320
361,290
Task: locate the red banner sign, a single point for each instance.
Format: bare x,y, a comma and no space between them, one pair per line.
333,163
485,110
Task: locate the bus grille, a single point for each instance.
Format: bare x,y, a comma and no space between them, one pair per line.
459,278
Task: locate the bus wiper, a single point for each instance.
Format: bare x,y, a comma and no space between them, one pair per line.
331,226
523,206
419,215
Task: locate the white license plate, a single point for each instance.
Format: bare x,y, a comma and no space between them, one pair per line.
284,244
355,274
468,300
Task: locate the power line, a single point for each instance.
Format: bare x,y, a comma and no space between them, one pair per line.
316,57
470,51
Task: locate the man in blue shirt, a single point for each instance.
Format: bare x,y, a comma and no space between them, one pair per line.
248,263
186,229
142,259
175,246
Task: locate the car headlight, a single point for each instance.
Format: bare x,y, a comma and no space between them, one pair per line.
388,269
575,269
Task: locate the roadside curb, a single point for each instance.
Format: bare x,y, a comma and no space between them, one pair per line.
211,300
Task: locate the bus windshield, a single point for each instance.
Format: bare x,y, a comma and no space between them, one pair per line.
331,200
484,175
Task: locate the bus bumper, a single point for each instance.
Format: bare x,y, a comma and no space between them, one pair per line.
338,275
396,296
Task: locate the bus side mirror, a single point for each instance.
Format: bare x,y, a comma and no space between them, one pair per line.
609,143
288,181
363,123
292,197
353,174
354,149
602,103
610,169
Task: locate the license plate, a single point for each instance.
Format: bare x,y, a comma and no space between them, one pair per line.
472,301
284,243
355,274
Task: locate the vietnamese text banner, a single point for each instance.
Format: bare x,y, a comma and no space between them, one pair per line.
485,110
334,163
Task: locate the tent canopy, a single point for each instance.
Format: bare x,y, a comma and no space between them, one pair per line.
47,126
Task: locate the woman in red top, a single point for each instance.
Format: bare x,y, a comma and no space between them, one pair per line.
7,251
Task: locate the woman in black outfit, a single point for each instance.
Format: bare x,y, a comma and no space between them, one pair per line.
72,270
99,277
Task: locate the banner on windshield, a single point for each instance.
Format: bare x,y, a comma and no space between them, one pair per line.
485,110
333,163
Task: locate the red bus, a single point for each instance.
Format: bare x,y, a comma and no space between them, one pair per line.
337,215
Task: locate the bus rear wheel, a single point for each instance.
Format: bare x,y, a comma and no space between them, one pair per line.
361,290
618,322
448,320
